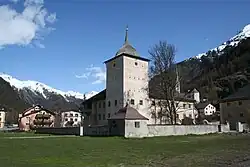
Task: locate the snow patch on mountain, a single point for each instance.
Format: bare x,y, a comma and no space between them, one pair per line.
234,41
41,88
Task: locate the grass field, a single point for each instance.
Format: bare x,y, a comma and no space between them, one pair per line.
209,150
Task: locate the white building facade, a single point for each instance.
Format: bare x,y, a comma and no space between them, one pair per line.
206,108
2,117
71,118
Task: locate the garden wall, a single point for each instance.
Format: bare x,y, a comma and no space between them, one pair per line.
59,131
102,130
169,130
152,130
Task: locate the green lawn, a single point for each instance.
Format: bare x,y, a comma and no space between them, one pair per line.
21,134
114,151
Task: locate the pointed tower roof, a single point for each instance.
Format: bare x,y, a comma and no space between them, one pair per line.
127,48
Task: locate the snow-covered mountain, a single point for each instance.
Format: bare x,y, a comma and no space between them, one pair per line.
40,88
33,92
234,41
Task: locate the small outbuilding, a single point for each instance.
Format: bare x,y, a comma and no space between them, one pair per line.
127,122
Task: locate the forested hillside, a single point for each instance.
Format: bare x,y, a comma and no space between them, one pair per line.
218,74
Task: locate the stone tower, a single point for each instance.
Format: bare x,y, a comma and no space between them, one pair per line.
126,79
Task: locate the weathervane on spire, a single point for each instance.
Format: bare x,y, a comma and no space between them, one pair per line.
126,35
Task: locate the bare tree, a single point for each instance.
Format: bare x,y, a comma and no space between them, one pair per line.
164,78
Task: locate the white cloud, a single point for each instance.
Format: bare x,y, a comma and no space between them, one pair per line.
96,73
28,27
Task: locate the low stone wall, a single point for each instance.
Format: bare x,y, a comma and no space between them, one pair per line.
152,130
59,131
242,127
102,130
174,130
225,128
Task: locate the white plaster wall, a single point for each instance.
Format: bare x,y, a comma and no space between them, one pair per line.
2,121
169,130
132,132
65,117
114,85
209,110
135,84
225,128
196,97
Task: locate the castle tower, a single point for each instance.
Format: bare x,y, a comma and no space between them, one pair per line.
126,79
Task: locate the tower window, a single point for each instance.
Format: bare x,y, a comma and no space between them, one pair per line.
114,64
108,115
141,102
115,102
132,101
103,104
103,116
109,103
136,63
100,117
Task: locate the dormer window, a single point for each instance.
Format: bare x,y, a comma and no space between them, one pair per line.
114,64
136,63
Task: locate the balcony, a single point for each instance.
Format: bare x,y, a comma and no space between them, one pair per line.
43,116
42,122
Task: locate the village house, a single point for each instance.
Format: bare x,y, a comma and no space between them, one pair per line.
206,108
2,116
126,83
235,108
71,118
36,116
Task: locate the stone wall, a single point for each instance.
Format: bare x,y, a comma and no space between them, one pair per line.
169,130
96,131
225,128
59,131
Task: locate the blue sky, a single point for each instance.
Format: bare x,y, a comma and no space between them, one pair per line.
86,33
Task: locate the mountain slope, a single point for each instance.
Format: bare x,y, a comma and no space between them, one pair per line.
234,41
19,95
220,71
10,99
